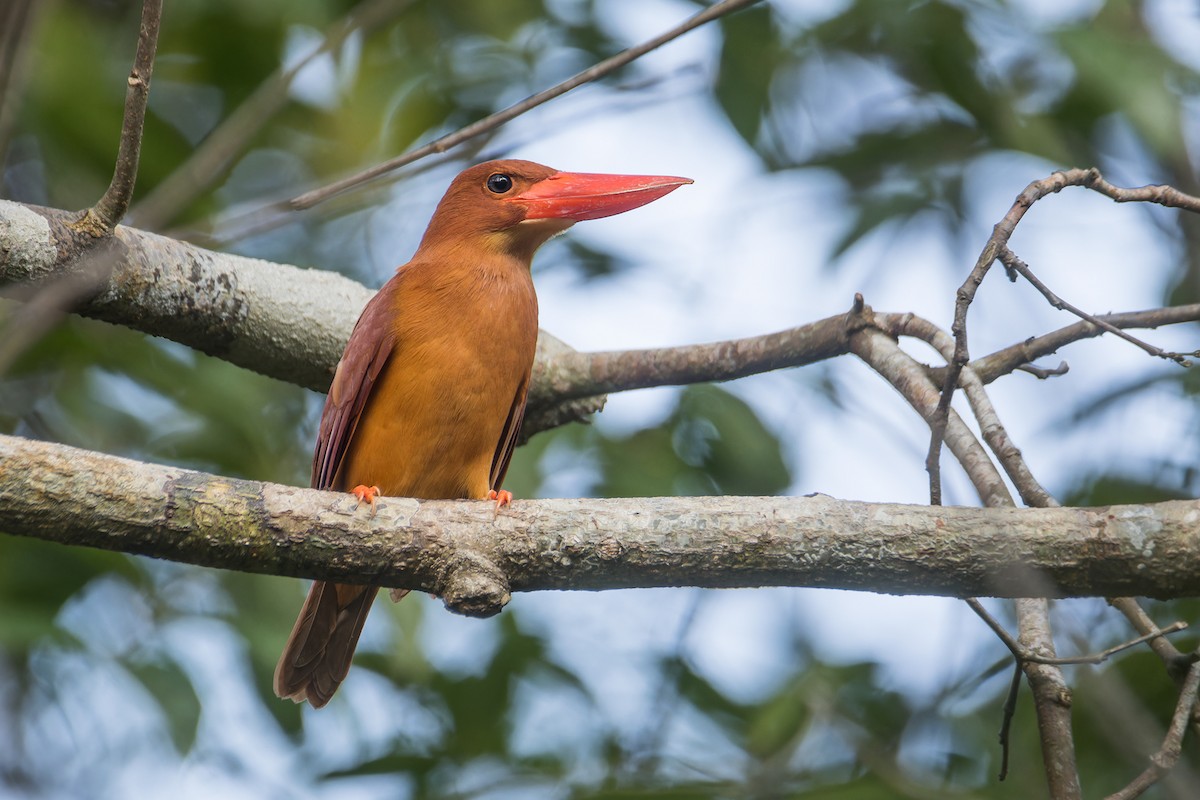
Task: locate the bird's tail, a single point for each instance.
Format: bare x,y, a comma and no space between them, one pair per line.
317,655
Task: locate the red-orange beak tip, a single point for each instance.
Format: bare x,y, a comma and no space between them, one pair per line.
579,196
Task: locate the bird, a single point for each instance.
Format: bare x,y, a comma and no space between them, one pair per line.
428,397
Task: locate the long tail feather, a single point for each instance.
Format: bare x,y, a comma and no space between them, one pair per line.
318,653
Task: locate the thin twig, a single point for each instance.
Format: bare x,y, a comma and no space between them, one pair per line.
1019,356
1001,233
1161,194
1015,264
1104,655
1044,373
1006,719
238,225
1177,663
440,145
1167,755
101,219
208,162
1003,635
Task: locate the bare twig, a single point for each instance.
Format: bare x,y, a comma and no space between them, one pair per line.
1052,696
715,11
101,219
1006,719
1090,658
1001,233
208,162
1177,663
1044,373
1016,265
1019,356
1104,655
1167,755
1162,195
993,430
239,225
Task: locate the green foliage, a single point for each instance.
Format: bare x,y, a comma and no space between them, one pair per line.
749,58
712,443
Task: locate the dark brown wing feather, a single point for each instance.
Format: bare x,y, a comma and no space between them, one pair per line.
508,437
318,652
367,353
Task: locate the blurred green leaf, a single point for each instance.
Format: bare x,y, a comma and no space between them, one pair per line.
712,443
749,57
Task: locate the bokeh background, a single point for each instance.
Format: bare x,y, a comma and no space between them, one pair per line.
837,146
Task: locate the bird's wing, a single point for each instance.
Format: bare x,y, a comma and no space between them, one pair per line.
508,436
367,353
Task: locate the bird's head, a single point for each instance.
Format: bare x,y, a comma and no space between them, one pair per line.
513,207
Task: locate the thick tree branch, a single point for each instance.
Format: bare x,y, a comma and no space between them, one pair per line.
275,319
1052,695
292,324
79,497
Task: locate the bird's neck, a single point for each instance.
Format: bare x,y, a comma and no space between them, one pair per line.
452,270
483,258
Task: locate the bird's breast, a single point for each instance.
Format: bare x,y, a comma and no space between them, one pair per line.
437,413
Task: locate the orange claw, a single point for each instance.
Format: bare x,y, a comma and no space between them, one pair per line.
365,494
502,498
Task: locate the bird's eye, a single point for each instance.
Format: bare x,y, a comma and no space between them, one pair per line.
499,183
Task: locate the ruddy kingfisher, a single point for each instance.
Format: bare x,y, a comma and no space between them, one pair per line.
428,397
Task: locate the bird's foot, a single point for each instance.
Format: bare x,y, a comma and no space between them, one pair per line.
366,494
502,498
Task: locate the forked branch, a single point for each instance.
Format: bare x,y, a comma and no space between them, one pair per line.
101,219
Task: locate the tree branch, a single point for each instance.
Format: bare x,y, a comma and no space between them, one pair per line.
1052,696
292,323
1001,234
80,497
1002,362
208,162
592,73
101,219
